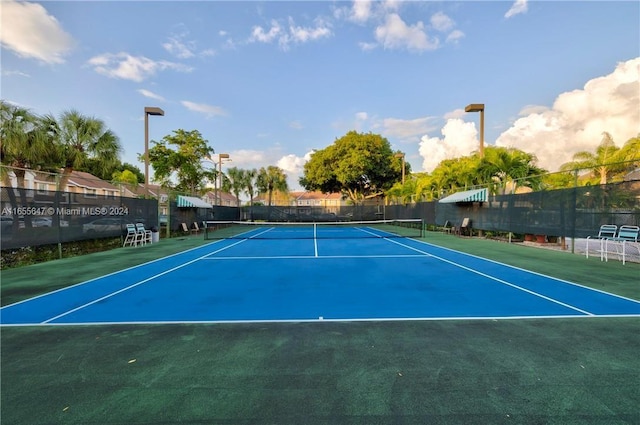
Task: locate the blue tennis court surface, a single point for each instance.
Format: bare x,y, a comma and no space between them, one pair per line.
316,279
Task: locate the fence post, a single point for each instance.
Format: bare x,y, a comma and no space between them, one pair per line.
57,205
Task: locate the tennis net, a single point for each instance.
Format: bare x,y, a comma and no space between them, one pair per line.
404,228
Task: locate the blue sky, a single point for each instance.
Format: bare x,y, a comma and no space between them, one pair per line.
268,82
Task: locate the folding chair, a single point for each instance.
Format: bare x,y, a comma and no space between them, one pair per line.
144,235
195,229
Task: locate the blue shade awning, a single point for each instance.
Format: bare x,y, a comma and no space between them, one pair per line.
192,202
476,195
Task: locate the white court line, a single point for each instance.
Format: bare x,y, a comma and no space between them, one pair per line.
110,274
140,283
504,282
309,257
326,319
532,272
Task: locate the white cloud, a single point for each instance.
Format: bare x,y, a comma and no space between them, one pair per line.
151,95
532,109
260,35
296,125
396,34
180,48
441,22
135,68
367,46
30,31
361,120
362,116
247,158
293,34
209,111
293,166
456,113
291,163
577,119
303,34
406,129
459,139
454,36
360,11
391,4
520,6
7,73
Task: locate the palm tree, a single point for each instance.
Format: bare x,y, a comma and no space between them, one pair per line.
601,162
508,165
79,138
234,182
630,153
425,187
23,143
23,146
250,183
270,179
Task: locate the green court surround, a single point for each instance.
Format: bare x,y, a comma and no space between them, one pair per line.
554,371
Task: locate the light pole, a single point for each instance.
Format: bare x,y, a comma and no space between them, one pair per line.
148,110
478,107
221,156
401,155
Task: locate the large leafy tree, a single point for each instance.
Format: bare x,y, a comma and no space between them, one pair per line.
177,161
452,175
357,165
106,171
125,176
78,139
271,179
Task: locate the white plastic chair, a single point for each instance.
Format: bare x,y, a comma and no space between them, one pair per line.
627,236
606,231
144,235
132,236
